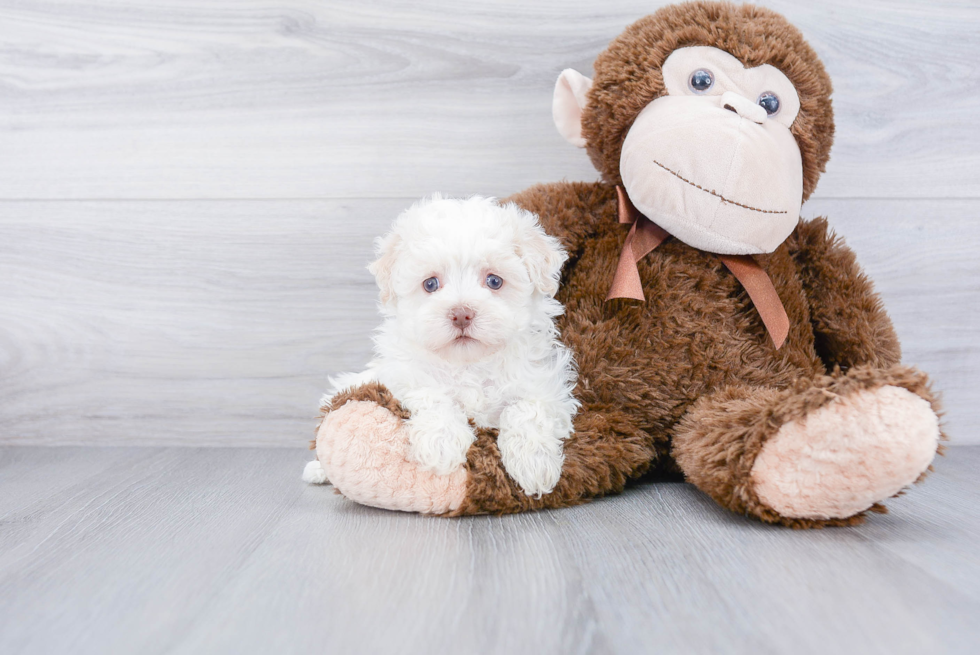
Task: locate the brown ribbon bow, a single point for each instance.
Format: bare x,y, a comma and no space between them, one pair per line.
645,235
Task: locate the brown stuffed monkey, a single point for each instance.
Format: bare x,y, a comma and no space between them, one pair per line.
717,335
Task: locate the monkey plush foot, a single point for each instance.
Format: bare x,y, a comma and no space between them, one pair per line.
847,455
363,449
820,453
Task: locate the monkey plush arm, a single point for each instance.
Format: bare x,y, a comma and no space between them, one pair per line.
849,320
569,211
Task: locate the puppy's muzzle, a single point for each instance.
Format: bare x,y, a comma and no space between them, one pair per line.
461,317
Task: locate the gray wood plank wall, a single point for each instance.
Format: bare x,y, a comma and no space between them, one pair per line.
188,191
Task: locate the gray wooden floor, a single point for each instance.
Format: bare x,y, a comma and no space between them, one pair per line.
195,550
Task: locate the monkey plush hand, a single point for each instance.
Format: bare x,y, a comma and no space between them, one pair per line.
718,336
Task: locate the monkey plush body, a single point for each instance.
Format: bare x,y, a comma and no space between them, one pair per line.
812,428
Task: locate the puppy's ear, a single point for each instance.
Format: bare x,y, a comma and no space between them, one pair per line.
543,256
387,249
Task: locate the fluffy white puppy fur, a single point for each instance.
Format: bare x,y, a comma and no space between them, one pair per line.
467,295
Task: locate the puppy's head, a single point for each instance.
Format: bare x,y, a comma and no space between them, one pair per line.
461,278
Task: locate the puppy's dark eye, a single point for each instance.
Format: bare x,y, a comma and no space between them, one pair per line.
431,285
770,102
494,281
701,80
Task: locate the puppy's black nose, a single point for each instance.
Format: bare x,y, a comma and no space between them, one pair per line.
461,317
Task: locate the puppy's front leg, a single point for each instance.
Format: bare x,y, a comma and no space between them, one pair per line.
530,443
439,435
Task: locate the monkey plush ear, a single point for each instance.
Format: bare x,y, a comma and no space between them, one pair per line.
567,106
387,248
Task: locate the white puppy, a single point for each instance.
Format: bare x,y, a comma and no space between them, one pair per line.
467,292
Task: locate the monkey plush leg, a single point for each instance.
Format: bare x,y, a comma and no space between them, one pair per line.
821,453
362,446
604,452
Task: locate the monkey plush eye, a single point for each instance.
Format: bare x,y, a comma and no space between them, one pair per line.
770,102
701,80
431,285
494,281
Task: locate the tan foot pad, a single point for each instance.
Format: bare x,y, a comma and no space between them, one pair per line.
364,452
847,455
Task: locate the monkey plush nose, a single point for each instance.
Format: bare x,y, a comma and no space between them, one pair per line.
461,317
743,107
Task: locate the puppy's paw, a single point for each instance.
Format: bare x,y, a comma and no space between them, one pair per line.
530,443
534,466
439,440
313,473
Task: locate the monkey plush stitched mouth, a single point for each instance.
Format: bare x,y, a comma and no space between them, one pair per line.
713,160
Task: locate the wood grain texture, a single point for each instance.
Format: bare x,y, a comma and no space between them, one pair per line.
301,99
217,323
179,322
186,550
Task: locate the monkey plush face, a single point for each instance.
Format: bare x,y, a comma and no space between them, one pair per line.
717,135
713,162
